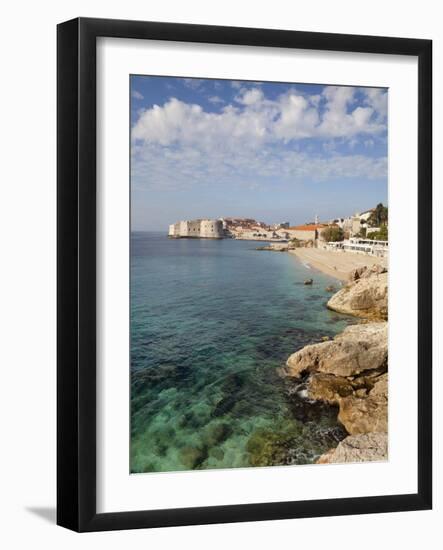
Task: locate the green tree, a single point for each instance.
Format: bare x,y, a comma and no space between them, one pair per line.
381,235
332,233
379,216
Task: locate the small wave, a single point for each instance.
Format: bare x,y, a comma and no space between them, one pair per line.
306,265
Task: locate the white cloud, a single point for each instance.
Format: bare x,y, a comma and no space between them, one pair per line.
137,95
193,83
341,120
297,118
185,124
179,168
215,99
377,99
250,97
291,116
180,144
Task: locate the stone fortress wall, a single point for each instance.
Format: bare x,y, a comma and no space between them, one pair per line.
202,229
211,229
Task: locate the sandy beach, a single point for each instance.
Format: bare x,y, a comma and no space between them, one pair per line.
336,264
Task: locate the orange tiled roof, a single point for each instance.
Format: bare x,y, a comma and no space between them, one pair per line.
307,227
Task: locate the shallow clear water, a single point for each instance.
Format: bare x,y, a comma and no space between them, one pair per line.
211,321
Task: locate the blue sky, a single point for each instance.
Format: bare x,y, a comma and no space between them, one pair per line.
272,151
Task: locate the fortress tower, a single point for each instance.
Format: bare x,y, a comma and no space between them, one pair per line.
211,229
203,229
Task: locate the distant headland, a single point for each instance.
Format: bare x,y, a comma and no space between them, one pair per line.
371,224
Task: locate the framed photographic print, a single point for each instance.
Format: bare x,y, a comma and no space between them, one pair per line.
244,274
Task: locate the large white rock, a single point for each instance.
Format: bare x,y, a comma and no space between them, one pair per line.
358,448
366,297
357,349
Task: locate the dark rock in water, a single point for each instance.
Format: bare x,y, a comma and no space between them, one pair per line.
217,453
330,288
192,457
192,420
308,282
270,448
232,383
216,433
161,448
231,388
287,444
224,405
144,378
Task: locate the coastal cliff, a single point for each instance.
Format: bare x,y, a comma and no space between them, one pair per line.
351,371
365,295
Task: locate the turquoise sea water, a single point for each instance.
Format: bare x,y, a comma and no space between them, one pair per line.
211,321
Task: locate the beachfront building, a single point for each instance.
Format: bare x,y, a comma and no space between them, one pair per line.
367,246
361,246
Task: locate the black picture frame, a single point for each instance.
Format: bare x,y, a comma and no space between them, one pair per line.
76,279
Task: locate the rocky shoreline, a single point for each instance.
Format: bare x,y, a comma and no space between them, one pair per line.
351,371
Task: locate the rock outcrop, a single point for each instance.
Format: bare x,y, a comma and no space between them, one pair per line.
366,295
365,271
358,448
368,413
328,388
358,349
276,247
349,371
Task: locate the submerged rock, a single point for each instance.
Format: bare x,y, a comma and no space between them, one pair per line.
282,445
268,447
224,406
358,448
276,247
217,453
366,296
216,433
192,457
